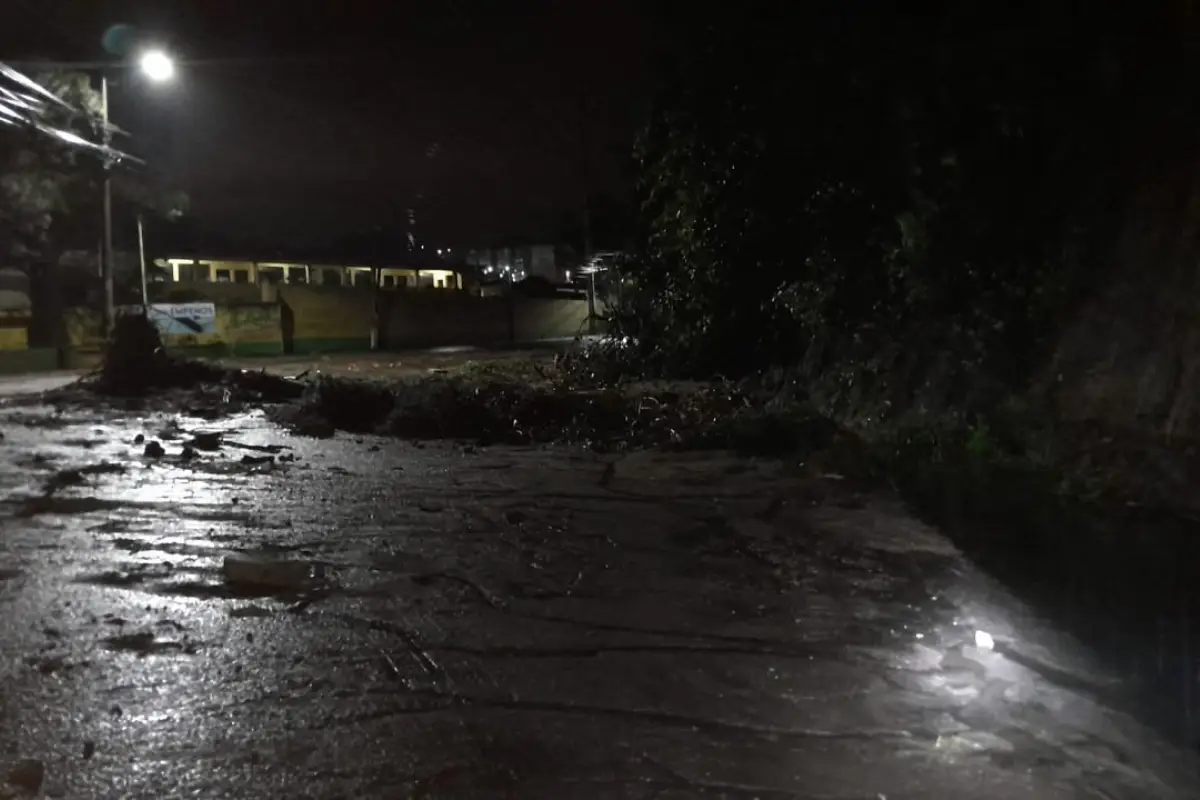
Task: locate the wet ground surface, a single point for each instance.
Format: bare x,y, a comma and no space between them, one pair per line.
15,385
502,622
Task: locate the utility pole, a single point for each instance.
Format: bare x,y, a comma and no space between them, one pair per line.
142,263
110,312
377,250
586,179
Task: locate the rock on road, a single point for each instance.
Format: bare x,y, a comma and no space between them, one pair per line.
511,622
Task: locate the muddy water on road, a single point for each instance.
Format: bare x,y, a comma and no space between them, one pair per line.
513,623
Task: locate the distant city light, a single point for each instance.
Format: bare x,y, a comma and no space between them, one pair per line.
439,251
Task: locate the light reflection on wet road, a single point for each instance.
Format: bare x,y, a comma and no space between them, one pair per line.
517,623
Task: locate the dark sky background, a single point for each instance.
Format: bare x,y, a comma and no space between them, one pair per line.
303,120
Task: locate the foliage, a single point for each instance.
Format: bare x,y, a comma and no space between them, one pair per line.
41,180
945,185
50,193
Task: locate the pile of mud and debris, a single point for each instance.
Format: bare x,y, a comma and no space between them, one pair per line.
138,372
589,398
580,401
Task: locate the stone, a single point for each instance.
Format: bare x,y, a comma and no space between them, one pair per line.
250,572
27,775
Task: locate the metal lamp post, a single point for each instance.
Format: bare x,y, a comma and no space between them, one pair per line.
158,67
110,313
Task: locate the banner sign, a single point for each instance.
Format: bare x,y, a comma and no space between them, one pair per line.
184,319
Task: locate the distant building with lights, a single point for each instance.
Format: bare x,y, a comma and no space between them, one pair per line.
209,270
518,263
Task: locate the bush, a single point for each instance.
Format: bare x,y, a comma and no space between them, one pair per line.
818,190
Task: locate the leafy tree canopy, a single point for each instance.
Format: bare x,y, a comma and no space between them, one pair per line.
949,176
50,193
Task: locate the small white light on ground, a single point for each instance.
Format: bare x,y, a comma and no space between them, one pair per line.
984,640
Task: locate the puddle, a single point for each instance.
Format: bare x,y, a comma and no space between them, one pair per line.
247,573
125,578
247,612
54,664
33,506
146,644
45,421
79,475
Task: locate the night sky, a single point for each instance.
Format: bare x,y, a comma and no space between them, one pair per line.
301,121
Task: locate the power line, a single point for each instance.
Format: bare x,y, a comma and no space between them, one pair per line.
224,61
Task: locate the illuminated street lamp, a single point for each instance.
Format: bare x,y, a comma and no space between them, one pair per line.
158,67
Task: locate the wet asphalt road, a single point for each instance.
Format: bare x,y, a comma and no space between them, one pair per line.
12,385
520,623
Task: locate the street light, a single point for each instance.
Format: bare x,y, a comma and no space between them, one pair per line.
158,67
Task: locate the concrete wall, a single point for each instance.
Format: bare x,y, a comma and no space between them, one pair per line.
548,318
313,319
332,319
318,319
430,319
34,359
16,356
252,329
14,334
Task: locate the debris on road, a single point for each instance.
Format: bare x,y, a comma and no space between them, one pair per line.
255,575
27,776
146,643
136,365
77,477
209,440
246,612
577,404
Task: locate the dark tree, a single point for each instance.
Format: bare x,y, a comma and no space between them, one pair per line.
942,180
